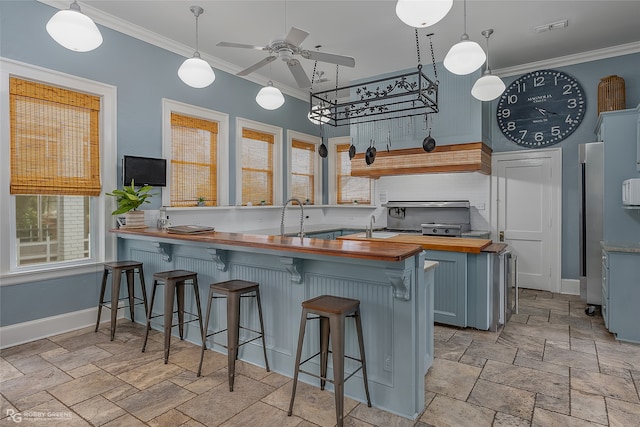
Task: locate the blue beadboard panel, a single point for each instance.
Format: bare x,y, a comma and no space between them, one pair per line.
450,287
397,348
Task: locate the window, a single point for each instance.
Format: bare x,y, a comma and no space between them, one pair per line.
58,134
344,188
305,176
195,144
259,172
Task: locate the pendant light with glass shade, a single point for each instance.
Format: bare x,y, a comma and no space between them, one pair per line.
422,13
74,30
488,87
195,71
466,56
270,97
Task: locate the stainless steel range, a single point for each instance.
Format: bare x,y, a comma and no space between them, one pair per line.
431,218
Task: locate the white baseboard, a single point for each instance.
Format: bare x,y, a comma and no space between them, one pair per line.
570,286
33,330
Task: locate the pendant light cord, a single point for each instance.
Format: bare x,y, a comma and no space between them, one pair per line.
465,16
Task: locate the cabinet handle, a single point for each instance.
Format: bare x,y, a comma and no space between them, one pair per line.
501,235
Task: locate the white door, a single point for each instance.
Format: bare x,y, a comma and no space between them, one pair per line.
528,205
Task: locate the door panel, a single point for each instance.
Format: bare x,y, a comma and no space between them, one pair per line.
526,204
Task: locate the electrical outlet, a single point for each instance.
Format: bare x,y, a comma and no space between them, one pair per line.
387,363
480,206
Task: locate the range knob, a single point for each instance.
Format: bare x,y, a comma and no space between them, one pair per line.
435,231
446,231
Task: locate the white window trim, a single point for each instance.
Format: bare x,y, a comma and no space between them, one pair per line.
331,182
222,167
104,243
277,157
317,164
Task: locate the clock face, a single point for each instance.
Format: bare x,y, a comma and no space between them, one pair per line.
541,108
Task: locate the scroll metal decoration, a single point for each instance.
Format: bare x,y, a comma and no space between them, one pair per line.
403,95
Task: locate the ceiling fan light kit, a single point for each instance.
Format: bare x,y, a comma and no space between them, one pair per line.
422,13
270,97
195,71
74,30
488,87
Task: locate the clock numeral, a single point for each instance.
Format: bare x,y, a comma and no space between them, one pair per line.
512,99
572,103
538,136
523,133
538,81
555,130
567,90
568,119
505,113
511,126
522,87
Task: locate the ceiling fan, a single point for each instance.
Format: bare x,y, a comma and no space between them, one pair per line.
285,47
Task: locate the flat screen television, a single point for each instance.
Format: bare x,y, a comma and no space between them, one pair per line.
144,171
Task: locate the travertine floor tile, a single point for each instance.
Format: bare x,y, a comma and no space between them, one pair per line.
604,385
589,407
169,418
98,410
527,346
544,418
26,385
447,412
150,374
155,400
83,388
620,356
501,398
262,415
561,405
8,371
28,349
491,351
376,417
449,350
526,379
549,331
622,414
451,379
126,420
506,420
551,368
573,359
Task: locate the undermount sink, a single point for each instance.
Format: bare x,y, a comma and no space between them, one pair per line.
379,234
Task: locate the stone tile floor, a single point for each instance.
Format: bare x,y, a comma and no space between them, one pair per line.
551,365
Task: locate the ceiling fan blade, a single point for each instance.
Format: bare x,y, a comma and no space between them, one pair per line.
332,58
257,65
244,46
295,36
299,74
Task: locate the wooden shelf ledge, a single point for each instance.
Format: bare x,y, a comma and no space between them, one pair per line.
470,157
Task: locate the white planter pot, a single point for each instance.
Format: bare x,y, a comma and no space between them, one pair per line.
135,219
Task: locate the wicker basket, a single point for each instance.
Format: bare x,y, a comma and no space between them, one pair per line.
611,94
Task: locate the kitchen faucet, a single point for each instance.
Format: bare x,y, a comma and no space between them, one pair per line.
370,229
293,199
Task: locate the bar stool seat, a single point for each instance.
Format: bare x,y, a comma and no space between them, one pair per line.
174,282
233,291
332,312
116,269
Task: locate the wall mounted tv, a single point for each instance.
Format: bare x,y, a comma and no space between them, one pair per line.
144,171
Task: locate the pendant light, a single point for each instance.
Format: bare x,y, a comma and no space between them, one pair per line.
488,87
195,71
270,97
466,56
74,30
422,13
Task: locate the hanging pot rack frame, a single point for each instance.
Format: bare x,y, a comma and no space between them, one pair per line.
403,95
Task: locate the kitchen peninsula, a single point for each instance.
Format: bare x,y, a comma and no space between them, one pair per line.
390,279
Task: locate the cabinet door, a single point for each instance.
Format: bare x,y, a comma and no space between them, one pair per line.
450,287
624,295
605,290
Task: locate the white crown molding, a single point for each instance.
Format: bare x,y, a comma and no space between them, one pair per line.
155,39
563,61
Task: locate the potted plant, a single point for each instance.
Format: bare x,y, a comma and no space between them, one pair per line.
129,200
201,201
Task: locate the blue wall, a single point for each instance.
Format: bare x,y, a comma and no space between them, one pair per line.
589,75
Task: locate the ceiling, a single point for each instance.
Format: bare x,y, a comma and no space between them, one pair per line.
371,32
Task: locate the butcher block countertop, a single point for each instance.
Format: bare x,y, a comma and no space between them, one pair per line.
452,244
376,249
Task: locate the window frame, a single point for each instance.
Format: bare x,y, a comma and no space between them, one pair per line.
277,157
222,167
103,243
332,170
317,166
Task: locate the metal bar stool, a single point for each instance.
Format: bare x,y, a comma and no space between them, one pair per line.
233,290
332,312
117,268
175,282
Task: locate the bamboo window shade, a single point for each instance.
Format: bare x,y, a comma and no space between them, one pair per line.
257,167
194,148
302,170
350,189
55,140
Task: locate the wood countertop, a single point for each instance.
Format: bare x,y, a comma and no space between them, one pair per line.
378,250
452,244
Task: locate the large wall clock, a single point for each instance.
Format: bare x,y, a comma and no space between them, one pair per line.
541,108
